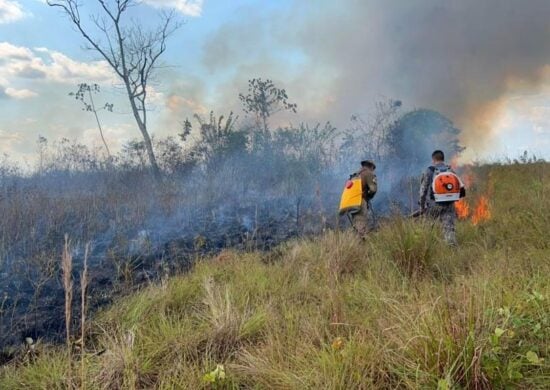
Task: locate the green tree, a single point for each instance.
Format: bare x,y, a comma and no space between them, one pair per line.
263,100
217,139
415,135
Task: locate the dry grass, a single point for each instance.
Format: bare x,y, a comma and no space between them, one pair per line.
83,291
67,269
400,310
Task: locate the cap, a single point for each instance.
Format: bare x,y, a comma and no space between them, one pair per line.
367,163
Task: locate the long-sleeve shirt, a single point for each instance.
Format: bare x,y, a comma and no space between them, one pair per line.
368,180
426,183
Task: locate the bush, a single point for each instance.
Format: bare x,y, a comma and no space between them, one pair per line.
413,245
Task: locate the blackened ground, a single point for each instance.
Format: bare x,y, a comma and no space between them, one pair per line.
32,296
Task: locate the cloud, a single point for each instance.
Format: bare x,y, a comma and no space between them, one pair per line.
21,63
10,136
31,72
186,7
12,52
66,70
9,140
20,93
10,11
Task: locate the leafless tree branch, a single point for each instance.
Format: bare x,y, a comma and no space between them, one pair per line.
131,51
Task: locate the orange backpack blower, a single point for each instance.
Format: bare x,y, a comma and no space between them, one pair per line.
446,185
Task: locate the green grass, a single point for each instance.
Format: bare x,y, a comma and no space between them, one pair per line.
401,310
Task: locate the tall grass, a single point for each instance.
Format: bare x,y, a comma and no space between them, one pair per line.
83,291
67,269
400,310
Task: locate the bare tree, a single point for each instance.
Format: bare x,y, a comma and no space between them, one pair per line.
131,52
371,137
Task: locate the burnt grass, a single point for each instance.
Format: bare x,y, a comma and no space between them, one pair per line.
139,233
31,292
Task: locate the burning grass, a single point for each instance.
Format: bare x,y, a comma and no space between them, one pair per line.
401,310
462,209
482,211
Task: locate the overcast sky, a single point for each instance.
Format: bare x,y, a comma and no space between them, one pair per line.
483,63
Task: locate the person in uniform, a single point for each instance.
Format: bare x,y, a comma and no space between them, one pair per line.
444,212
360,220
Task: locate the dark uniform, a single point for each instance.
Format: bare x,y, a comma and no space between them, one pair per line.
443,212
360,220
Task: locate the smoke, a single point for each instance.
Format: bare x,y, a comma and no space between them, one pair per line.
335,58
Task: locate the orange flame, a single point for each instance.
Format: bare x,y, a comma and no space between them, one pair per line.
481,212
462,209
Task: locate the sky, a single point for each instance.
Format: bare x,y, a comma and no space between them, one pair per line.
485,64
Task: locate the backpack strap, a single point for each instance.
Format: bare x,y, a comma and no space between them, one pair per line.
438,170
432,173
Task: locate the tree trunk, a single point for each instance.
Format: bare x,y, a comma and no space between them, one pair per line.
99,125
149,146
146,138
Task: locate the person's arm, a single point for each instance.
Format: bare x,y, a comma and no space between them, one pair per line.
370,185
424,189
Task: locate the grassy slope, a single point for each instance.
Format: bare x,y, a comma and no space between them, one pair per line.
399,311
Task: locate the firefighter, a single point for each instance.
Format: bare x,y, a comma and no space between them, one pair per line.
360,219
438,202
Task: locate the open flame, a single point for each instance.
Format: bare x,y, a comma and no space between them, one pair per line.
462,209
481,212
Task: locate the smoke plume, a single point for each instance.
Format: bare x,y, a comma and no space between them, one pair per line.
457,57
